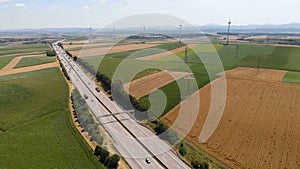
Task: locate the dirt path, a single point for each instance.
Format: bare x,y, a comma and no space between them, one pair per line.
259,127
145,85
28,69
16,60
167,53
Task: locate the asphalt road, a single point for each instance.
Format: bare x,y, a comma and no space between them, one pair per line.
133,141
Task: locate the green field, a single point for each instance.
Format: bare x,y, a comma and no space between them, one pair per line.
36,129
202,49
172,90
32,61
5,60
292,77
284,58
16,50
146,52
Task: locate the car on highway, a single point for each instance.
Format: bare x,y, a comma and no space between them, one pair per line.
97,89
148,161
85,96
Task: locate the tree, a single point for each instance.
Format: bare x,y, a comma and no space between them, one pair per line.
97,150
103,155
160,128
50,53
112,162
182,151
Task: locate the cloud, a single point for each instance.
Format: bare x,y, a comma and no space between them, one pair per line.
20,5
4,1
54,7
86,8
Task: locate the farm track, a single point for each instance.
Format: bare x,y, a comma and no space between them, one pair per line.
28,69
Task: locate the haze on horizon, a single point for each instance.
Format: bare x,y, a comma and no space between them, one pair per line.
15,14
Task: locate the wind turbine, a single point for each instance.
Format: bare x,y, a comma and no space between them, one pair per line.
180,30
144,29
229,23
90,34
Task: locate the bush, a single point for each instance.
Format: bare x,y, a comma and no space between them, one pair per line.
101,153
50,53
112,162
182,151
160,127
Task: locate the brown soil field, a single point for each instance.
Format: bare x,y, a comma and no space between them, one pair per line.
28,69
68,47
145,85
25,54
259,127
256,74
167,53
106,50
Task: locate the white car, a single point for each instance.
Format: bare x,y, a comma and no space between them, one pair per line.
148,161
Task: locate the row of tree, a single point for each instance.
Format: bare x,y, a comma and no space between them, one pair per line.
85,118
64,70
105,158
88,123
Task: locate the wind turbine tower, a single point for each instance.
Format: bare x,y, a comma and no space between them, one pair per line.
144,34
229,23
180,31
90,34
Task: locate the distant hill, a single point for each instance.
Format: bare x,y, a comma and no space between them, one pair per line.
293,28
266,28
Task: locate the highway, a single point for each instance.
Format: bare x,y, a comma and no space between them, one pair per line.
133,141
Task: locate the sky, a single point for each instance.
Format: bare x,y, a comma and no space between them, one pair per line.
15,14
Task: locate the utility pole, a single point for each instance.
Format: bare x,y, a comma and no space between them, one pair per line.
237,50
185,55
229,23
258,63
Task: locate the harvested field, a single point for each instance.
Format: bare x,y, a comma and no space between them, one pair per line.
145,85
107,50
25,54
260,124
167,53
75,46
28,69
254,74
